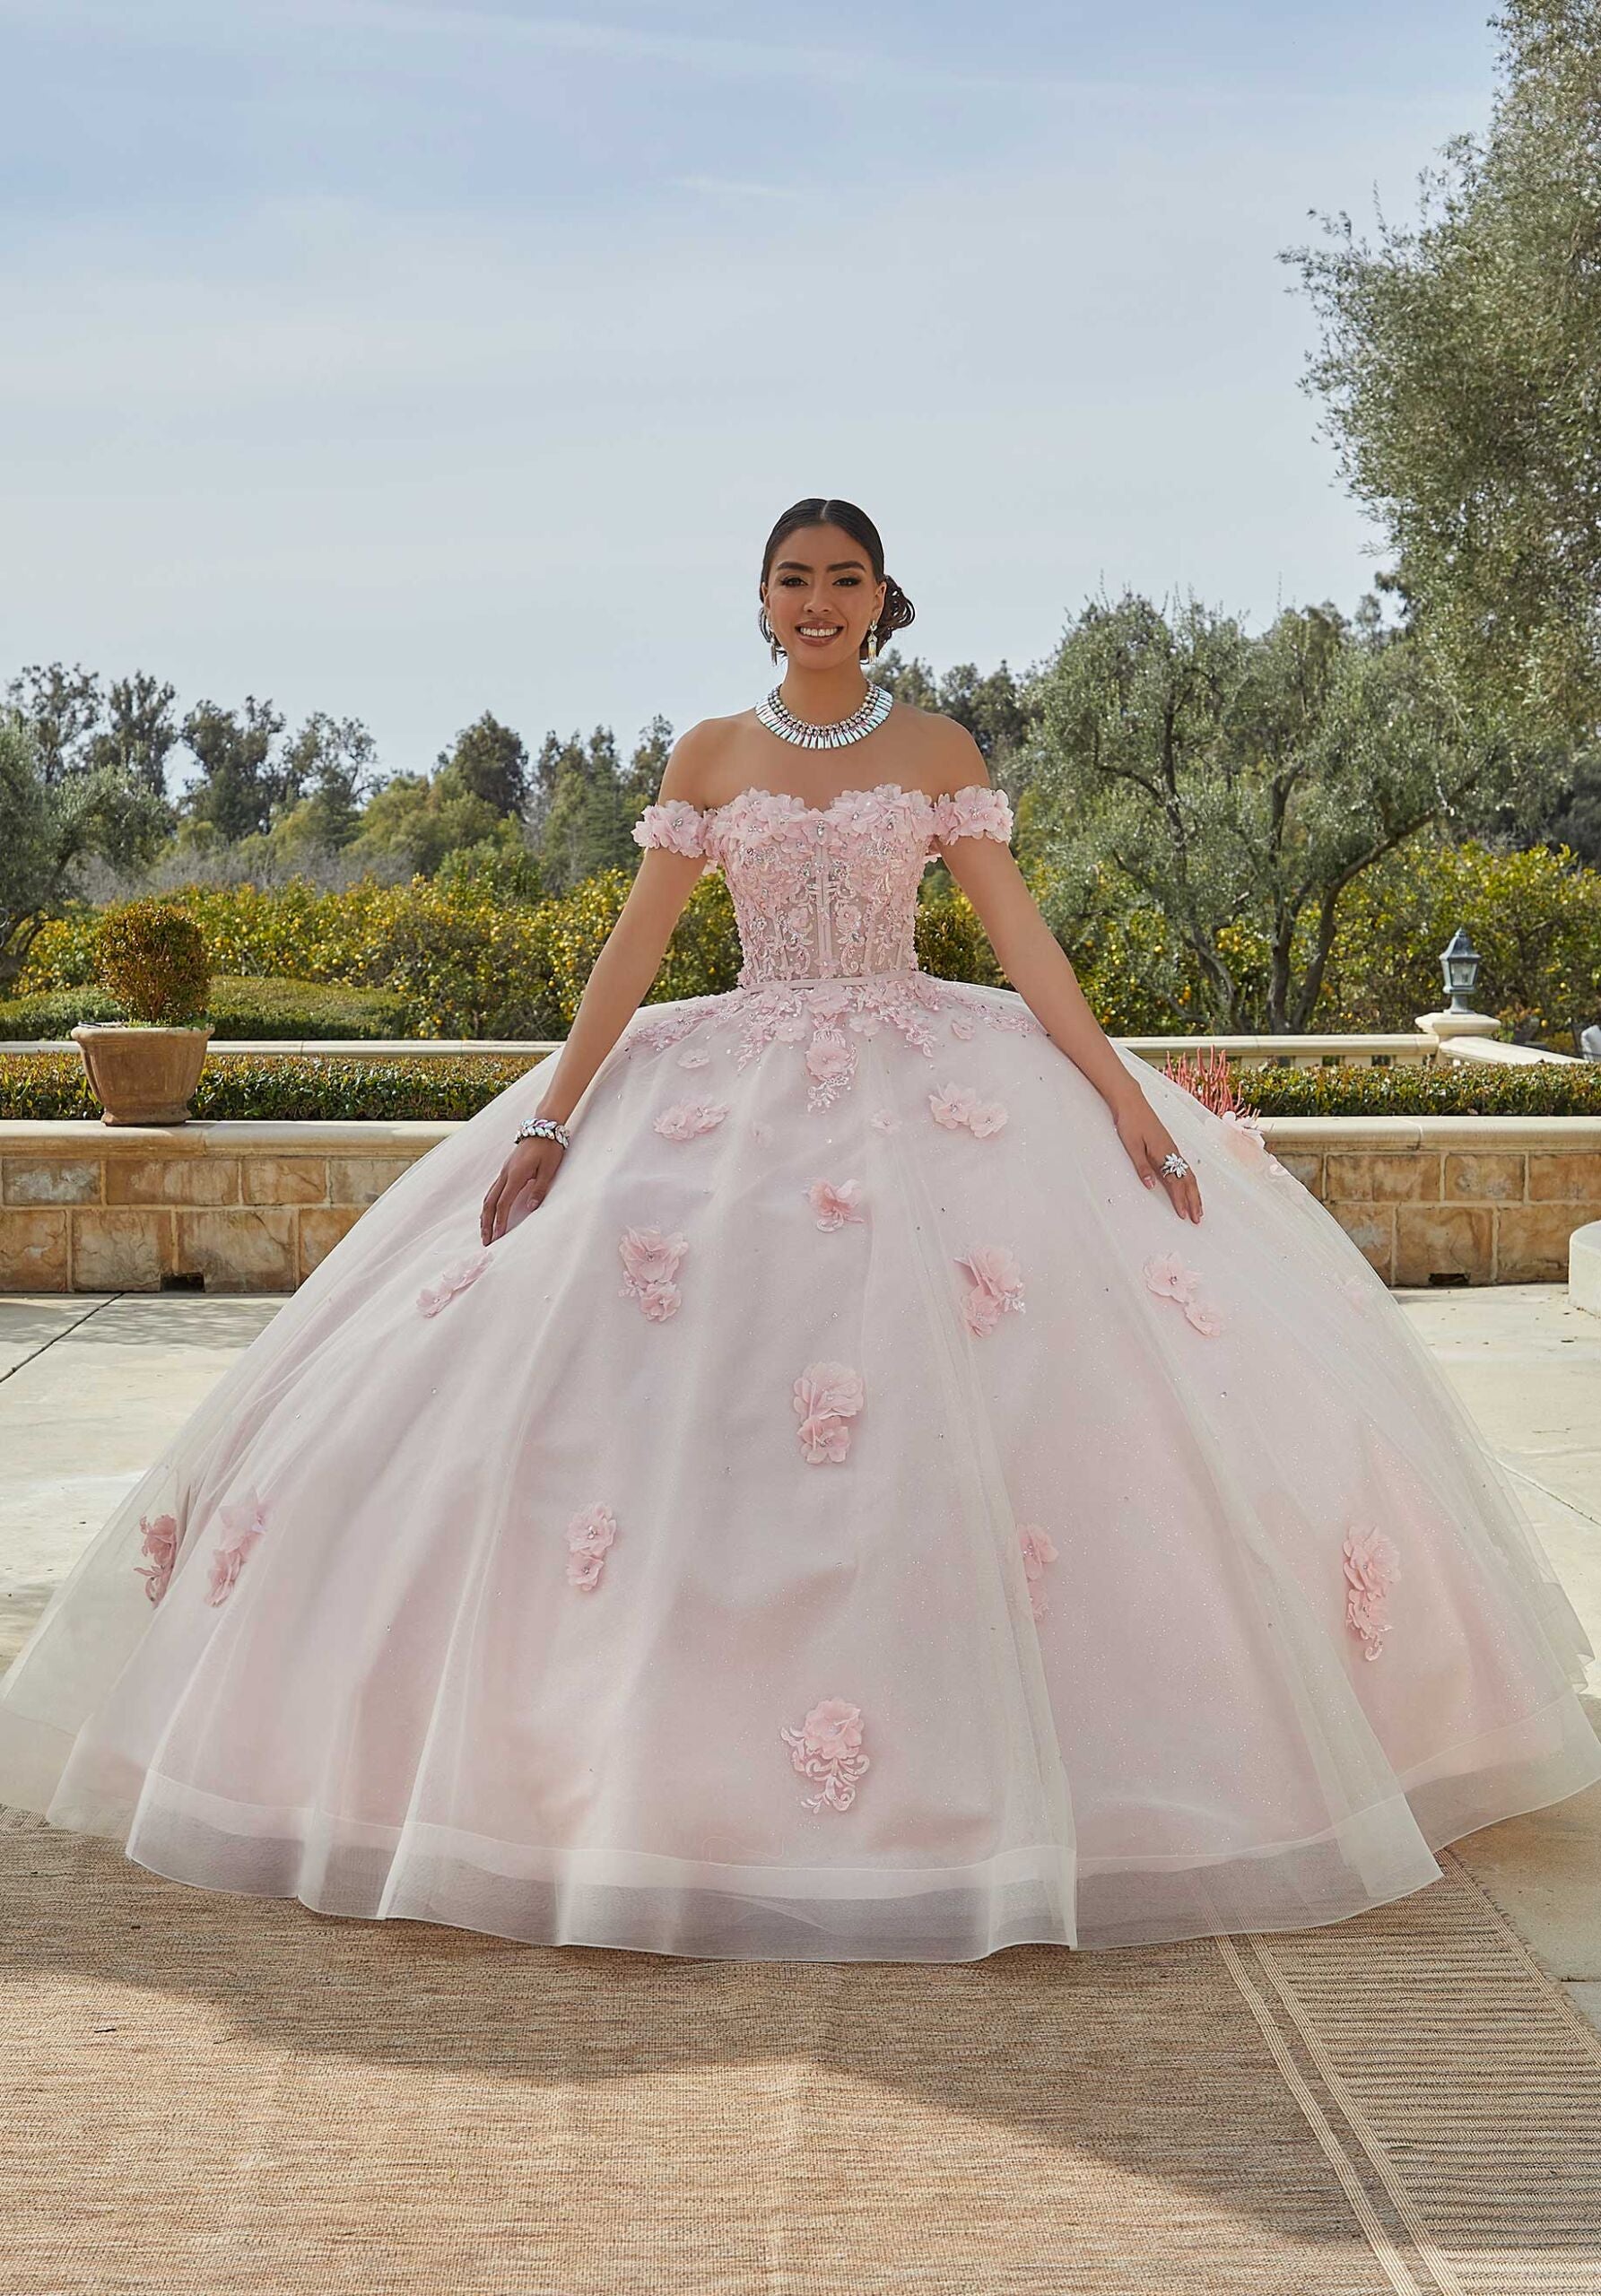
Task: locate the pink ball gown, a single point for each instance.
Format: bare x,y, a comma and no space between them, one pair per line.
850,1518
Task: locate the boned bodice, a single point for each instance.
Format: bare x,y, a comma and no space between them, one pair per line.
822,891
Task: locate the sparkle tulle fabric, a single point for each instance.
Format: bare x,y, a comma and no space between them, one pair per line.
850,1518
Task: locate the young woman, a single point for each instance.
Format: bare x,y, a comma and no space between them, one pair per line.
801,1476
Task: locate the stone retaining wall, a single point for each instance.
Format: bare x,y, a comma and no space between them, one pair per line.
253,1207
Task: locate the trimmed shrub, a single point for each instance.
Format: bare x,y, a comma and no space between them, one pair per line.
1543,1087
236,1008
151,955
298,1087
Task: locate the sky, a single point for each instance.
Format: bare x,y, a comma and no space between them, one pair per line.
409,360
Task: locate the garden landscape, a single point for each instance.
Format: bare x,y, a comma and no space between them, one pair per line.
411,385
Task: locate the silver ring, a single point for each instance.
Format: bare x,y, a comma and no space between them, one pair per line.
1173,1165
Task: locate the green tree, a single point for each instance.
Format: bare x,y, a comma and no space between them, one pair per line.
1460,367
140,731
51,824
328,770
587,822
1238,785
491,762
240,787
418,821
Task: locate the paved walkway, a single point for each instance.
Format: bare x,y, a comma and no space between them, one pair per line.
91,1389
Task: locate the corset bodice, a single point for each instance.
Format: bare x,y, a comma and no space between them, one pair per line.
823,891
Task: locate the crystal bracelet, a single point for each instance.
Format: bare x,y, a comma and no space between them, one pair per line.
542,1127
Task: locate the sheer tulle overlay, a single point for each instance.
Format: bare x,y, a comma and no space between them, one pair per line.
851,1518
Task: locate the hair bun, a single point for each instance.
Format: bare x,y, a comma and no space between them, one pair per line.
898,609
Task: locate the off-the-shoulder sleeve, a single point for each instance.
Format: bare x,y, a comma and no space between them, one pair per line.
976,811
676,824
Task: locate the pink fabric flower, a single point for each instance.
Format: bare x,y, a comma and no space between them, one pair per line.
956,1105
828,1055
829,1002
688,1120
974,811
950,1106
1169,1279
243,1523
456,1278
864,1024
995,1282
827,1748
1039,1548
675,825
835,1206
590,1535
1373,1566
828,1397
1242,1136
650,1261
158,1539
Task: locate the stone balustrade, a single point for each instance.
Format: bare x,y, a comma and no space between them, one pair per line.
254,1206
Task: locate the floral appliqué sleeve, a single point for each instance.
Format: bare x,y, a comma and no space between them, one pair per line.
975,810
675,825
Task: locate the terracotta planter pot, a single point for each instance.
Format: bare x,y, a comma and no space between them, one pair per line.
141,1075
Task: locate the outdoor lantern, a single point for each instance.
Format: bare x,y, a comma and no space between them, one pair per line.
1460,963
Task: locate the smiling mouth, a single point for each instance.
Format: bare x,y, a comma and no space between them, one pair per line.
819,630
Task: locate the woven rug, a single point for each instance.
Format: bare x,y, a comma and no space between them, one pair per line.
216,2094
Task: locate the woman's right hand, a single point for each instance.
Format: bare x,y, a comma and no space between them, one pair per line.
527,1173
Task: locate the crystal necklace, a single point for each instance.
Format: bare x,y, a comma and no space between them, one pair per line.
861,722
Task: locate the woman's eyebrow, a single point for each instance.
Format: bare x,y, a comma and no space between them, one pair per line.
802,565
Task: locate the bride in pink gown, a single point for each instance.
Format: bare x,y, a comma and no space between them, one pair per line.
835,1491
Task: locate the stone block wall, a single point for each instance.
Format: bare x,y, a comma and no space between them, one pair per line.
253,1207
235,1207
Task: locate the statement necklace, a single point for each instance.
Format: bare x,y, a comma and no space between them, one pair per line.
861,722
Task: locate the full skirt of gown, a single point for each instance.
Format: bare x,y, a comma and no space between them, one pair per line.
834,1524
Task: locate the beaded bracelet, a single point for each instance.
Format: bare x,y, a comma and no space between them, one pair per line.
542,1127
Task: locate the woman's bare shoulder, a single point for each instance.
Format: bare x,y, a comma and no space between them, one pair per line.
699,762
939,752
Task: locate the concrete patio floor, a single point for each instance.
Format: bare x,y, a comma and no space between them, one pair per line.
92,1388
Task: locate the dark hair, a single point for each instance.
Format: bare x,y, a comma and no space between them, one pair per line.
820,510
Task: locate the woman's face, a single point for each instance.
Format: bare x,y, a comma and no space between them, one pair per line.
821,597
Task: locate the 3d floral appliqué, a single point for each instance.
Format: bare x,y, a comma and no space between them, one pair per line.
650,1261
835,1206
1039,1549
1373,1566
995,1288
688,1120
589,1536
828,1397
958,1107
158,1539
1248,1143
827,1748
456,1278
1169,1279
243,1523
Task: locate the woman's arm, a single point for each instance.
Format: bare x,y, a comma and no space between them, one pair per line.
1033,961
618,980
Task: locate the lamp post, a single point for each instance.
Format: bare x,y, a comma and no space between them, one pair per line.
1460,961
1459,964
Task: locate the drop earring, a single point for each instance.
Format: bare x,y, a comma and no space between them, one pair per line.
768,632
873,643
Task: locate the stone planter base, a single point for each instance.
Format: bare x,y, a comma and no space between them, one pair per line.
141,1075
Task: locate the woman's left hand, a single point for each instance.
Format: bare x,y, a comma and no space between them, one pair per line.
1148,1140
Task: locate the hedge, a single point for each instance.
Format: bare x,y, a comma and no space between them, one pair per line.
310,1088
235,1008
